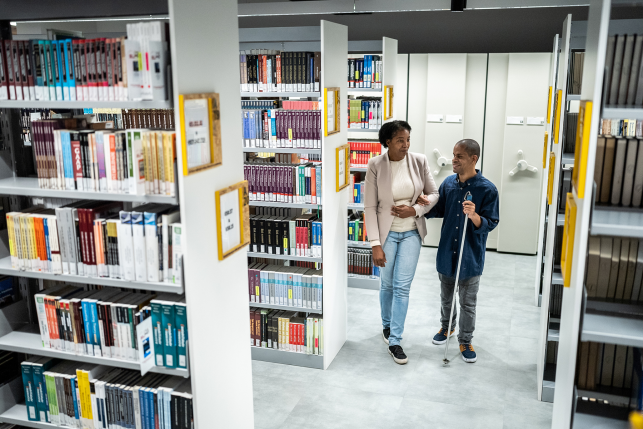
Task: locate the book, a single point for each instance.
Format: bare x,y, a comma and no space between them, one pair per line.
608,168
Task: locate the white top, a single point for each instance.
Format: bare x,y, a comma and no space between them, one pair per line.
402,188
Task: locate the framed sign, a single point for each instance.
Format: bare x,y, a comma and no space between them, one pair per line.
233,218
342,170
388,102
200,131
331,111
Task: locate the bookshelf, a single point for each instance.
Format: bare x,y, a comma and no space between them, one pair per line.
333,45
220,385
549,213
579,318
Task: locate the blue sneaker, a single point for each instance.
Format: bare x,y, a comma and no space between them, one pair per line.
440,337
468,354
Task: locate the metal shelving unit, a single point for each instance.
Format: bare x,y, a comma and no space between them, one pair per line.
363,130
589,421
283,307
359,169
363,282
5,269
280,94
355,206
287,358
618,222
560,219
365,90
281,150
283,257
28,187
622,113
15,104
359,244
612,330
29,342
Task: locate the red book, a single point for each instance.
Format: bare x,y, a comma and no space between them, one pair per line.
15,61
109,70
29,69
77,159
101,65
264,75
278,61
90,67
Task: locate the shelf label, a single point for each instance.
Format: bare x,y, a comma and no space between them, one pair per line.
545,151
567,251
549,105
535,120
583,132
454,119
550,181
434,117
559,102
515,120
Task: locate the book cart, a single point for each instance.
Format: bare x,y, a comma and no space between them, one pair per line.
548,272
389,76
590,319
221,386
333,45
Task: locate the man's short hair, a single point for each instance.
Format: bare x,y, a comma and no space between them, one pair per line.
471,147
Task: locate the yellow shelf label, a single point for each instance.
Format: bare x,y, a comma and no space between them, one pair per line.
549,106
567,251
550,181
583,130
559,101
545,151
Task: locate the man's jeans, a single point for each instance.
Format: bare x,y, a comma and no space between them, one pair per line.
402,251
468,295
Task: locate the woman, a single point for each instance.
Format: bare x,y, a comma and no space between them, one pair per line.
395,225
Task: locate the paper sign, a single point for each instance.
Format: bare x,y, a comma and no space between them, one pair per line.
434,117
230,221
197,132
145,345
342,167
454,119
330,110
515,120
538,120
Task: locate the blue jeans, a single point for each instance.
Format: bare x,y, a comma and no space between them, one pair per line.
402,251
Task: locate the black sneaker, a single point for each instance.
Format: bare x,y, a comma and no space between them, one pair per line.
398,354
386,332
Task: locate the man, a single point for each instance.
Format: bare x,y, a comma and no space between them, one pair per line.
482,211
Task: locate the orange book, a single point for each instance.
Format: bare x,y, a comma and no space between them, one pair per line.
313,185
41,245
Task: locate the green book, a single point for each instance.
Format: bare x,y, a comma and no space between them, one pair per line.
40,386
169,334
181,324
157,328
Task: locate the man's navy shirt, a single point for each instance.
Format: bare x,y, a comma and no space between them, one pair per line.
449,207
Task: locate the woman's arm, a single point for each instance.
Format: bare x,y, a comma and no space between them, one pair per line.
430,191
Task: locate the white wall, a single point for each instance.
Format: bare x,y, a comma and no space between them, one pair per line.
401,86
418,67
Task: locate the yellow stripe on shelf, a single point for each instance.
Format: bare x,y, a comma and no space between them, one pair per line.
545,151
567,251
559,101
583,130
549,106
550,181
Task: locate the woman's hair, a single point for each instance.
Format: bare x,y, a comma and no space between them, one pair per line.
389,129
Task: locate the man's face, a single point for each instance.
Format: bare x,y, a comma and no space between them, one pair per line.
462,161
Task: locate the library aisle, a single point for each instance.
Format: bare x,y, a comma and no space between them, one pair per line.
364,387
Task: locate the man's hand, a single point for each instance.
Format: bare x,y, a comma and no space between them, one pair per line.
470,210
379,258
423,200
403,211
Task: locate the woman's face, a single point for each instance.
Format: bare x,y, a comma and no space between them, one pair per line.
399,145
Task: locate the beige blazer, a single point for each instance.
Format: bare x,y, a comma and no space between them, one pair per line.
378,197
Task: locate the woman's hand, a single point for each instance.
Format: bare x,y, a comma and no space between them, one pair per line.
379,258
423,200
403,211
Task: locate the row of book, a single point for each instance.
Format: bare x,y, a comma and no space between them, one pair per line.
299,184
135,162
357,227
299,235
286,286
575,74
265,70
629,128
605,365
103,69
356,189
282,158
361,152
71,394
624,70
365,72
99,239
615,268
365,113
283,104
360,262
555,300
289,331
103,323
281,128
618,172
569,136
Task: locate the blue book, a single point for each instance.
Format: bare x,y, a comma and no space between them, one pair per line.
45,225
58,69
51,69
75,399
68,166
36,69
181,323
151,415
87,323
69,66
95,329
157,331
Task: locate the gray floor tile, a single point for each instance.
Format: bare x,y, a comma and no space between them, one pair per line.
274,400
417,413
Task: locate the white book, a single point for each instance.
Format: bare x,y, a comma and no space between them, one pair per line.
167,220
140,258
134,78
42,319
152,236
135,160
177,253
126,246
102,145
56,265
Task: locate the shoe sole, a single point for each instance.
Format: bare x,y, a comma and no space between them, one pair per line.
439,343
398,361
469,360
384,338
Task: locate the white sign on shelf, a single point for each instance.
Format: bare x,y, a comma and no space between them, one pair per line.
515,120
230,221
145,339
535,120
454,119
434,117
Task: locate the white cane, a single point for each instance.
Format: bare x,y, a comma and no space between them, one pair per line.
467,197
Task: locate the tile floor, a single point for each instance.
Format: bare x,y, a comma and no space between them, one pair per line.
364,388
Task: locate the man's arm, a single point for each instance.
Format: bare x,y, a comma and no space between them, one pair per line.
438,210
485,218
